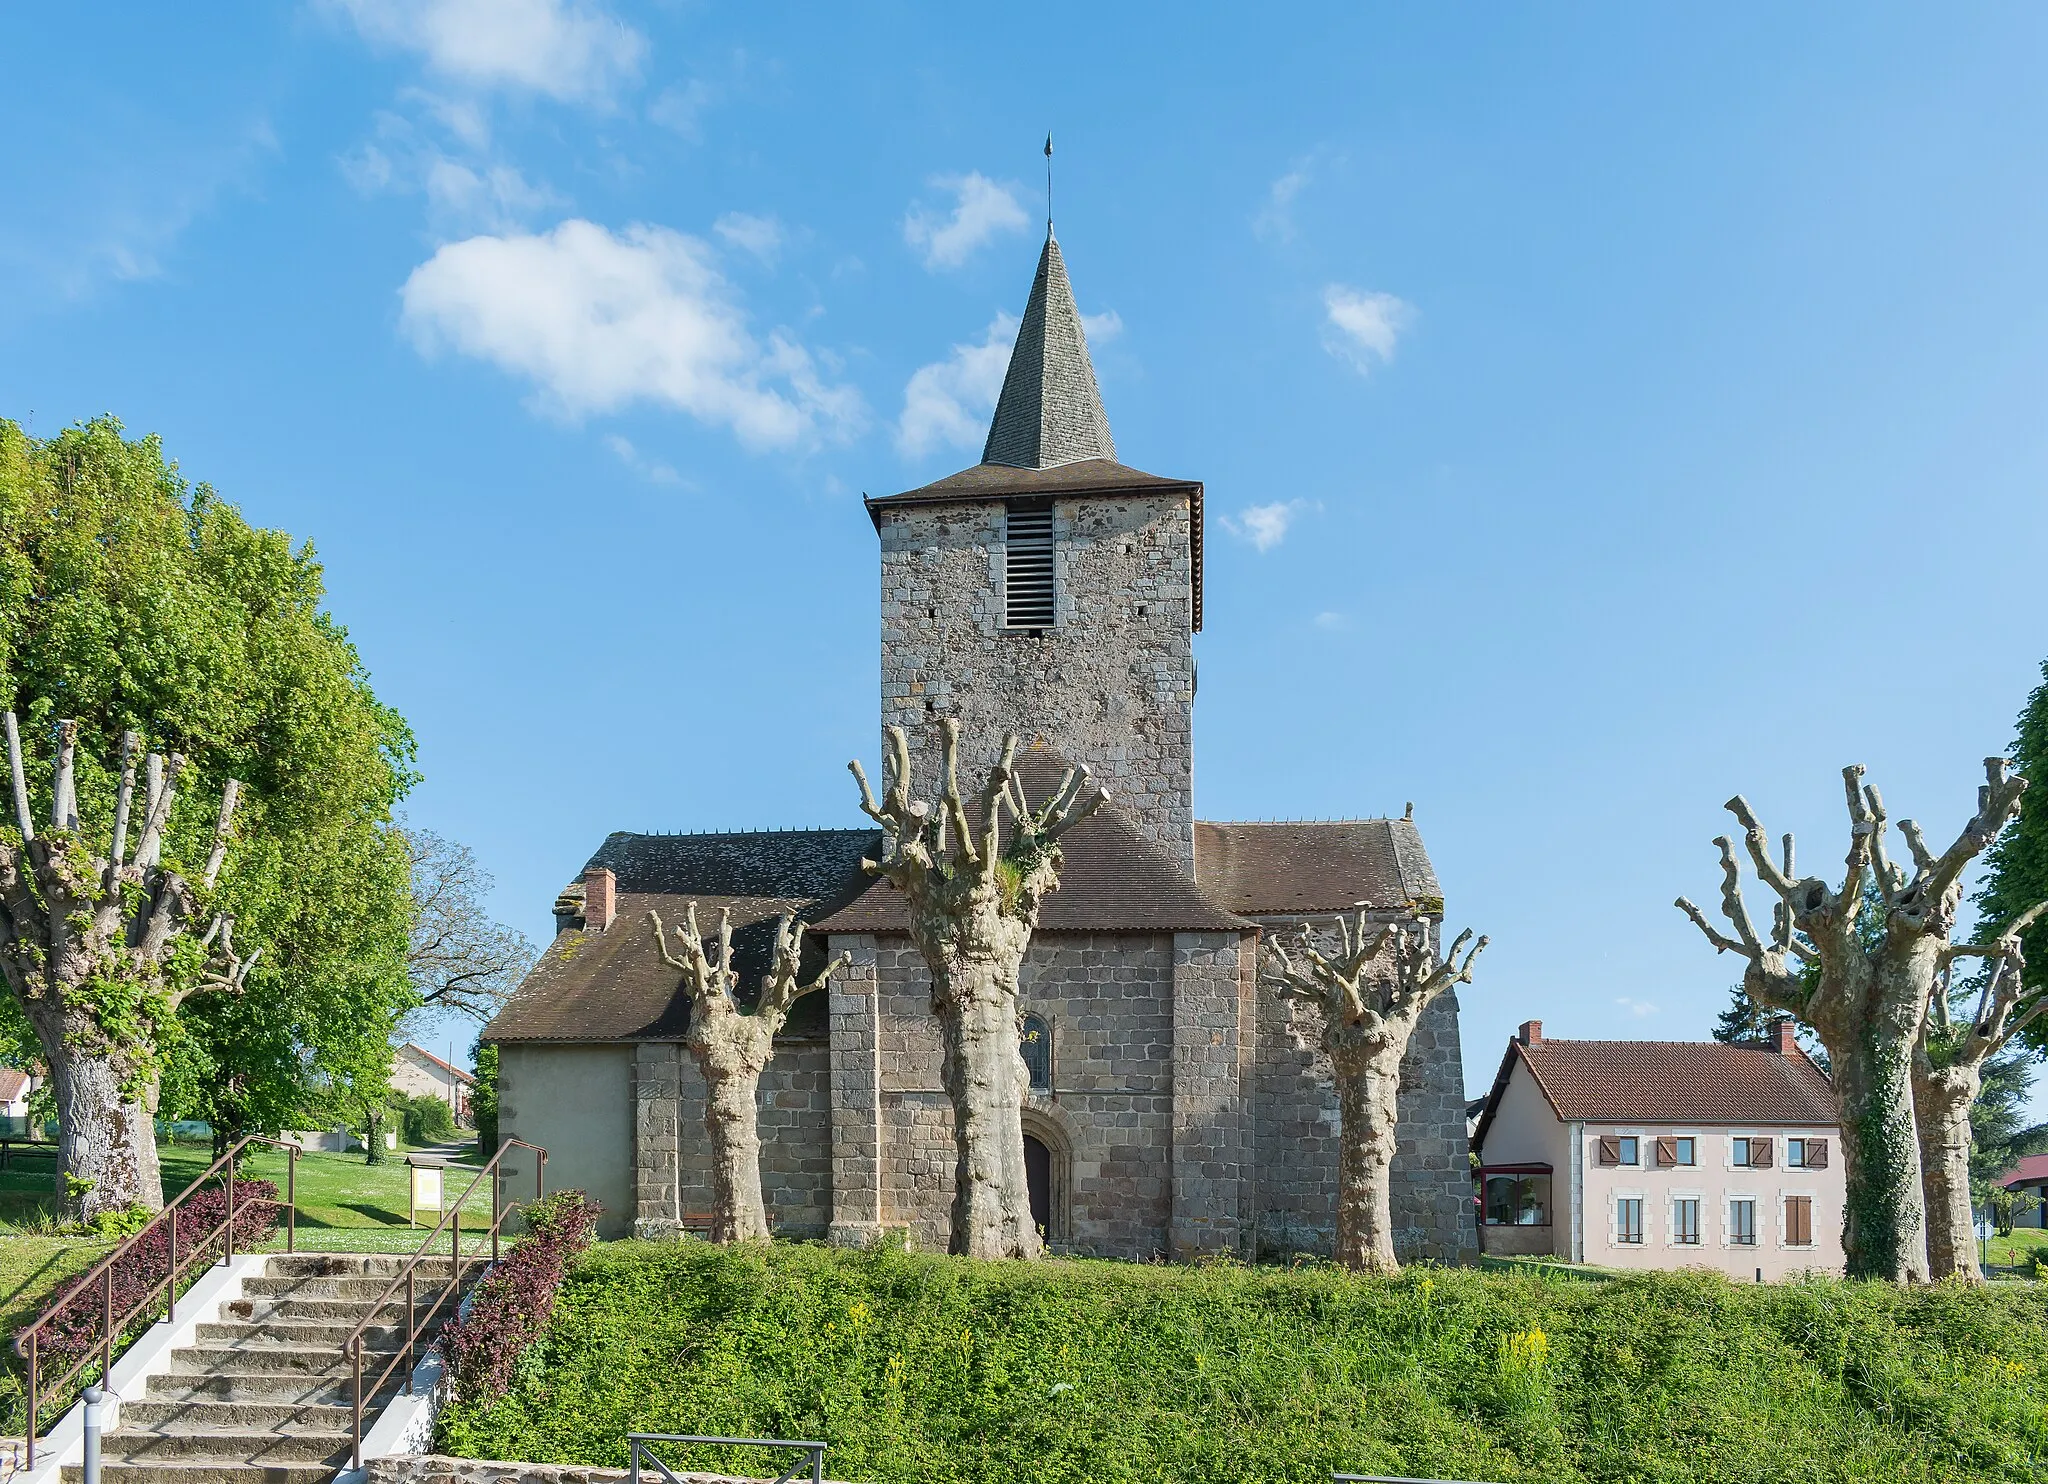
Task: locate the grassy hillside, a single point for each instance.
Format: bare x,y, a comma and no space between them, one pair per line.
941,1370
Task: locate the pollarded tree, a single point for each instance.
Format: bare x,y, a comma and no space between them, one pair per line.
1371,995
1867,995
974,891
99,953
732,1047
1948,1074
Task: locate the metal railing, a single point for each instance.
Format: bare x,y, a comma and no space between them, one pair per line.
1391,1479
415,1322
29,1342
813,1455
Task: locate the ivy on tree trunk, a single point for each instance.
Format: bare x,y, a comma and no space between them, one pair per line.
1866,994
974,891
98,951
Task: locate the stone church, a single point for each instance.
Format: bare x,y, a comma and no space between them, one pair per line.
1178,1106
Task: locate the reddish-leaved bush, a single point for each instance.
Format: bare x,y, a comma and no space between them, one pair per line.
80,1317
511,1306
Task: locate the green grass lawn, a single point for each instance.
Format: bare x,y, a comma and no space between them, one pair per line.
941,1370
2015,1250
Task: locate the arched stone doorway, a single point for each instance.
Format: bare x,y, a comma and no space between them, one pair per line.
1048,1166
1038,1176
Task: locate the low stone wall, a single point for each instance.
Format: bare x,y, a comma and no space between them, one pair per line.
436,1468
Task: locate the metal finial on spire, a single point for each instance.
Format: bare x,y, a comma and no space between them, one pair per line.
1048,182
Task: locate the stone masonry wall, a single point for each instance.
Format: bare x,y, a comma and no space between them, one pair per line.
1109,1001
1212,1133
1110,685
672,1154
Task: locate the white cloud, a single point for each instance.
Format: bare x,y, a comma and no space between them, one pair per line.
1636,1007
463,195
651,470
1264,526
950,401
982,210
599,321
1333,621
760,235
567,49
1275,221
1102,327
1363,325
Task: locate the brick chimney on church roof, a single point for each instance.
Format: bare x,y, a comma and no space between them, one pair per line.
600,898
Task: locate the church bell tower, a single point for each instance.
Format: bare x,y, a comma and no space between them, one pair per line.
1050,590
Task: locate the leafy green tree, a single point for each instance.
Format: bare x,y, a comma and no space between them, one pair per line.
2016,865
132,600
483,1097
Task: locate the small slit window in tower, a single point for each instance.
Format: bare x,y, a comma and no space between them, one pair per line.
1036,1044
1027,568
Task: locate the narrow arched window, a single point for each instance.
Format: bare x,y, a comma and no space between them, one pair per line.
1037,1048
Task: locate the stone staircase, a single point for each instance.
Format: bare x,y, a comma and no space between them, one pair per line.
265,1395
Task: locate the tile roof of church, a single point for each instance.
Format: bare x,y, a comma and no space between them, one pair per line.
612,985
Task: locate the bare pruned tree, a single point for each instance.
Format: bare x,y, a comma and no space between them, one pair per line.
90,947
1371,993
458,957
732,1047
1866,1001
974,890
1948,1073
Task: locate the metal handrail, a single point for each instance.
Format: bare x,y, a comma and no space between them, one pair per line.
813,1459
28,1342
414,1323
1391,1479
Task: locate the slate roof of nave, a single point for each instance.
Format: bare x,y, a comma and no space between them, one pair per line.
612,985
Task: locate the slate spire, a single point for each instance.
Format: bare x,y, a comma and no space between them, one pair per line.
1050,412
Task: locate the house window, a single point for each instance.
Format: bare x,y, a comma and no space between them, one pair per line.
1517,1198
1629,1150
1798,1221
1752,1153
1628,1221
1742,1222
1036,1044
1795,1154
1806,1154
1685,1221
1027,568
1680,1151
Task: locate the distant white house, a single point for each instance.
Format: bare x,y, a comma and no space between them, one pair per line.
416,1071
15,1087
1662,1154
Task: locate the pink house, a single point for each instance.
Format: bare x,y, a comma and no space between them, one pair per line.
1662,1154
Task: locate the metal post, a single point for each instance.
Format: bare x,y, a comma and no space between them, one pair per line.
410,1268
291,1200
228,1256
107,1334
632,1463
94,1396
357,1446
817,1466
455,1246
497,1207
33,1337
172,1301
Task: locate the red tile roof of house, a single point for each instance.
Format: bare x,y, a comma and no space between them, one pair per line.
13,1082
2033,1167
1669,1082
444,1066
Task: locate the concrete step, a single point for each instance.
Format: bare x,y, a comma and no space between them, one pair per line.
236,1416
231,1446
267,1388
205,1471
360,1289
298,1266
261,1360
302,1332
325,1310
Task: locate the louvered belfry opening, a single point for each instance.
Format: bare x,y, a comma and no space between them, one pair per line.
1027,567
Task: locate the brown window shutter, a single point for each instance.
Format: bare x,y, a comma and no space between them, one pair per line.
1610,1149
1798,1220
1816,1154
1761,1153
1667,1153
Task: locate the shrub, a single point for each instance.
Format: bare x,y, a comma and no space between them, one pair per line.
80,1314
512,1305
424,1119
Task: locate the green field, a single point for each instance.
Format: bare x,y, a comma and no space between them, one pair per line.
941,1370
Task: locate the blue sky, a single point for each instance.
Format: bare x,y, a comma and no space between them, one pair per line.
1602,410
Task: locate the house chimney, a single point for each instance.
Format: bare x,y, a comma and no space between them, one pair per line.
1784,1037
1531,1033
600,898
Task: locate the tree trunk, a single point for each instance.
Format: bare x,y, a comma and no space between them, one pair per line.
1885,1232
1943,1097
985,1076
1368,1087
739,1213
106,1143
